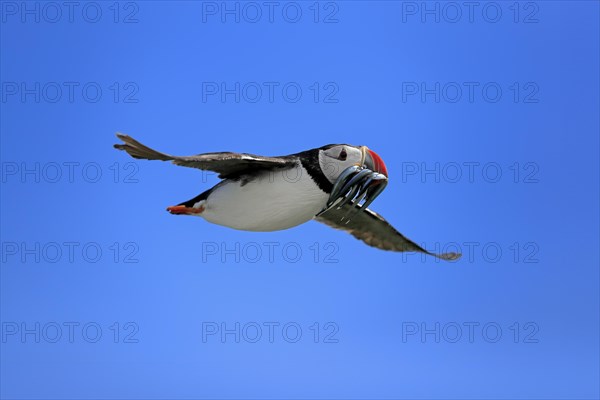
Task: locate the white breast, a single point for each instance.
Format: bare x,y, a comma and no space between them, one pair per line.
272,201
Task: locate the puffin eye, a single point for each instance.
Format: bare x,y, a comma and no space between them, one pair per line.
343,155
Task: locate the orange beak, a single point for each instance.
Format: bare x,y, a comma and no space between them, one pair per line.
375,163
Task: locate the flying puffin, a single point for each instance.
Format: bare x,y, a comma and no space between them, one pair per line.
259,193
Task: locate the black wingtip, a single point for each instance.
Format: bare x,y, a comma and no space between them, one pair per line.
123,137
449,256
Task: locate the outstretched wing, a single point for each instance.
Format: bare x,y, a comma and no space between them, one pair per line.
375,231
226,164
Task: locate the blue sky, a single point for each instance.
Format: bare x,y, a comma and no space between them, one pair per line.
486,117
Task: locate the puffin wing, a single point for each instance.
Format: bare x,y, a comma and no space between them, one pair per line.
374,230
226,164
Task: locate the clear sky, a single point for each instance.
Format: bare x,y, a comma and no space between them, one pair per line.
487,118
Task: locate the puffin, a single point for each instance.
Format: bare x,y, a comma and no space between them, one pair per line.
333,184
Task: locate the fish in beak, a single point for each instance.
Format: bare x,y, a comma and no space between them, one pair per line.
359,183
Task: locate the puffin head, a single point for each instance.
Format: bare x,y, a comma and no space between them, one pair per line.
335,158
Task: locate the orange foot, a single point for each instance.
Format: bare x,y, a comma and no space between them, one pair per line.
185,210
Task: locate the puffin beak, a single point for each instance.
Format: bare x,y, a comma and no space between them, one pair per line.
373,162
